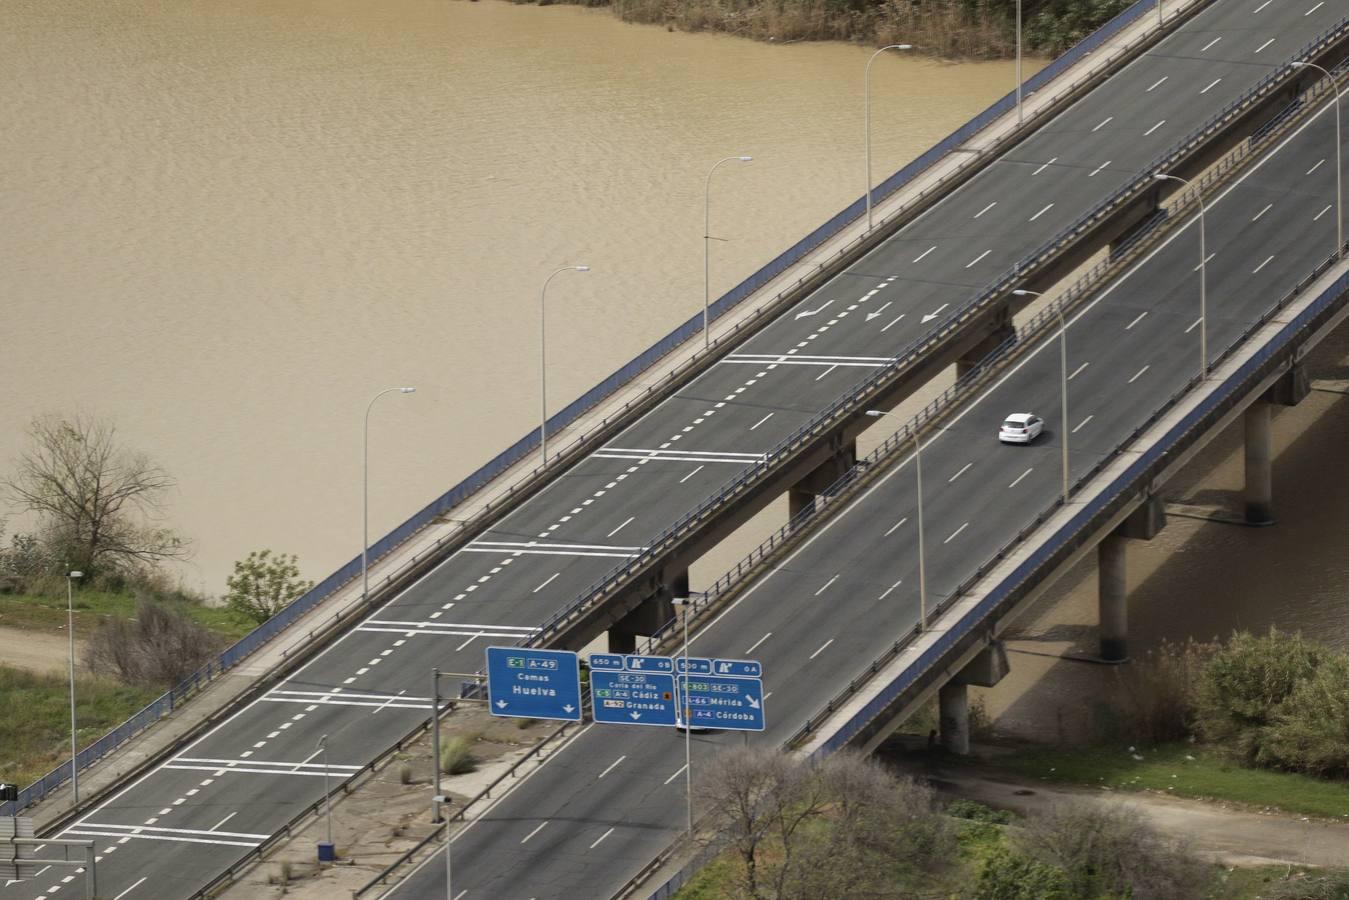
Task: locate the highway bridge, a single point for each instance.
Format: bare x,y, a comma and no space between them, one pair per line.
215,800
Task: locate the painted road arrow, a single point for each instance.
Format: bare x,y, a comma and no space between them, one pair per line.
814,312
877,313
932,315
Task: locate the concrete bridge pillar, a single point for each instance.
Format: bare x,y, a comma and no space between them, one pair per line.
1259,465
647,617
1113,598
975,355
801,496
953,701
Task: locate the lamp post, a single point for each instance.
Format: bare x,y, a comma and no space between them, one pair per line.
1019,117
543,359
322,747
70,626
1063,383
687,604
707,252
866,107
365,487
1339,172
922,561
1203,273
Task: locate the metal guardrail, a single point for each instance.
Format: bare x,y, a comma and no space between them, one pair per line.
915,352
472,484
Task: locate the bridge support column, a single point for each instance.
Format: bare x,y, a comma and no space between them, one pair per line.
802,495
1113,598
953,701
975,355
1259,491
647,617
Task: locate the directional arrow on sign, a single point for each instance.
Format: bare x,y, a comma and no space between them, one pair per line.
635,715
753,704
569,708
932,315
501,704
877,313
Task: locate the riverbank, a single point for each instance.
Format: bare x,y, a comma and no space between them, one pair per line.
950,29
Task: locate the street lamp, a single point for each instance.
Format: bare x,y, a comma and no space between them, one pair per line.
1203,273
365,487
1063,382
687,604
543,370
1019,118
707,237
866,105
922,562
70,626
322,747
1339,173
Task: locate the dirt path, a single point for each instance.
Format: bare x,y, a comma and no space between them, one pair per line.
36,651
1231,836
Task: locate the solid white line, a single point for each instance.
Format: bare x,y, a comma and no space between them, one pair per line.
821,650
894,526
611,767
1021,476
1210,44
1322,213
532,833
919,257
551,577
1154,128
890,589
261,762
600,838
523,629
81,832
1261,266
223,821
130,889
1157,84
1138,319
689,453
691,474
1211,86
826,586
956,532
523,551
977,258
1096,171
1268,42
958,474
1105,122
1040,213
761,421
1078,370
986,209
676,774
1268,207
887,327
1083,422
390,700
756,645
1054,159
1139,373
621,527
543,545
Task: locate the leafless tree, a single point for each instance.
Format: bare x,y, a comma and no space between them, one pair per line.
93,496
159,648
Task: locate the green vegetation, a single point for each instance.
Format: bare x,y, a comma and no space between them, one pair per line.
93,607
1184,770
262,585
983,29
35,736
456,757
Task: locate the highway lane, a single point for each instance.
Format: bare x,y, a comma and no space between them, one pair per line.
845,596
257,768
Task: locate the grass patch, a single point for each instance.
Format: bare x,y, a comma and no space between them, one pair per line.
92,607
456,757
1184,770
35,735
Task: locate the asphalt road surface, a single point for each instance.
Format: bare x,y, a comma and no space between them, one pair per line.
170,832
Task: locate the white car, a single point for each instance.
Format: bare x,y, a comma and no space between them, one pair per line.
1020,428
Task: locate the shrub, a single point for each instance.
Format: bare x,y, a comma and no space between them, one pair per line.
977,812
456,757
1006,875
1310,731
405,774
159,648
1334,886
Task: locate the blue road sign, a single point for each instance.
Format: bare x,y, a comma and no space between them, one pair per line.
648,664
606,662
534,684
714,701
695,665
632,698
740,668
